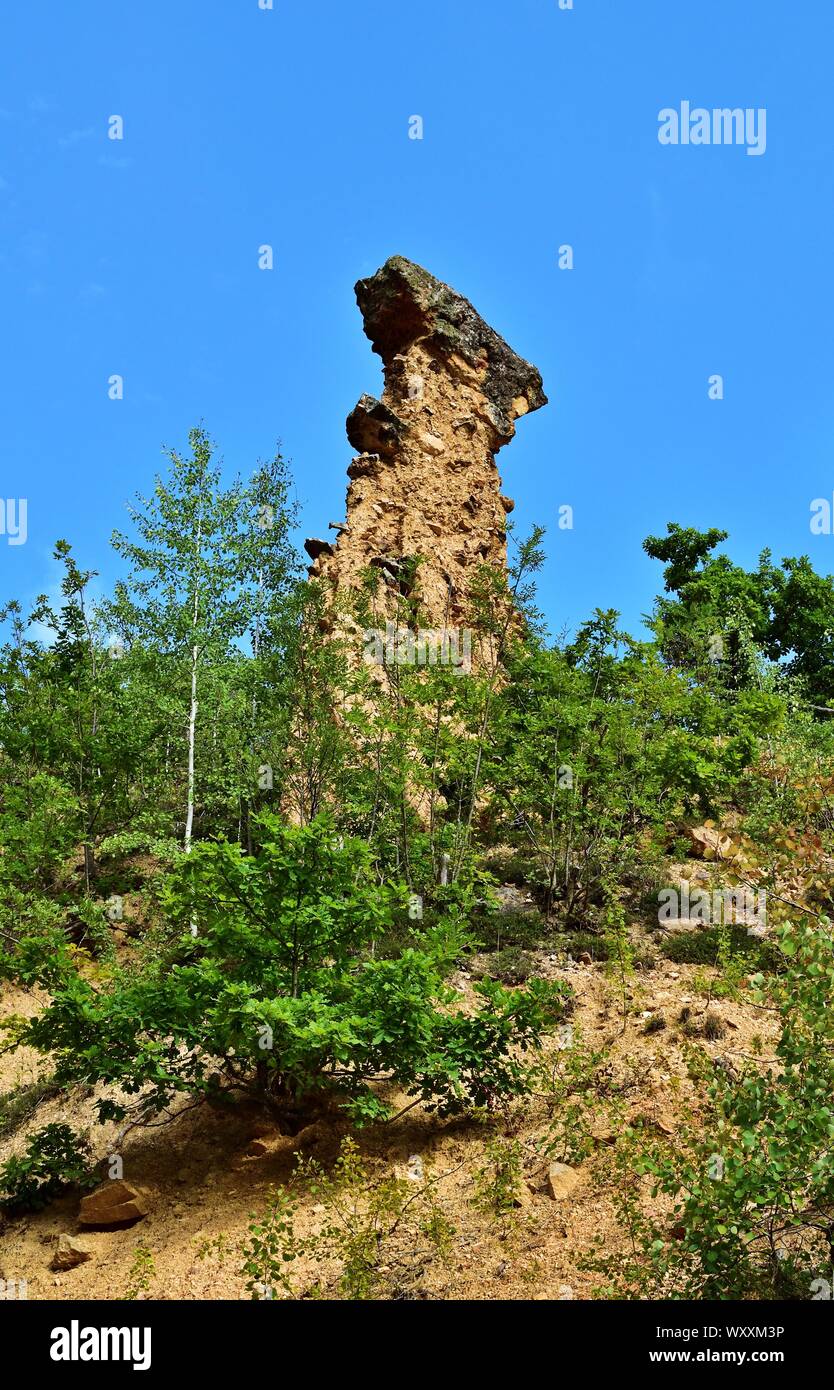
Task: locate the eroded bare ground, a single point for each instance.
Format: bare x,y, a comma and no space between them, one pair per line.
206,1173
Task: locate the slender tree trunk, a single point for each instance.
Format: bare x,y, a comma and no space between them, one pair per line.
89,865
192,729
192,717
256,647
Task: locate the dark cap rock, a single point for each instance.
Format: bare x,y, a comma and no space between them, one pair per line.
403,303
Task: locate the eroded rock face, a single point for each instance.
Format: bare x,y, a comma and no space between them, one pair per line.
425,482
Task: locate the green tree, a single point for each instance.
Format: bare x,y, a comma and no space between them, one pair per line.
725,616
801,631
208,566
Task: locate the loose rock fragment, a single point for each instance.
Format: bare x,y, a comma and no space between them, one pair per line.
562,1181
69,1252
115,1203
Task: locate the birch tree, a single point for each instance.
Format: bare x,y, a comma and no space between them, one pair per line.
204,571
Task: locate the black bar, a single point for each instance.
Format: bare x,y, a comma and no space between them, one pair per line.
268,1339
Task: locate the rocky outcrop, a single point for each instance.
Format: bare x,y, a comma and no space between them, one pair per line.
424,493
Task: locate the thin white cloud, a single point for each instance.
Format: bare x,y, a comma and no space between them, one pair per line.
74,137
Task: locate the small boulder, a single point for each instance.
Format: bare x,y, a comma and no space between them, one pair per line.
69,1252
561,1181
372,427
115,1203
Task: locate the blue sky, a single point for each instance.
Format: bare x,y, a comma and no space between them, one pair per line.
290,127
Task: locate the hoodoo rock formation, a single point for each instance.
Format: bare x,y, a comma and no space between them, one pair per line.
424,488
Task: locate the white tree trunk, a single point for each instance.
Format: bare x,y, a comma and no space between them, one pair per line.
192,729
192,716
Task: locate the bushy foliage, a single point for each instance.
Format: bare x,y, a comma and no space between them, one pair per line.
727,617
271,987
55,1158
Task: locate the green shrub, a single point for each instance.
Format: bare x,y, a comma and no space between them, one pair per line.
499,1182
578,943
511,966
271,988
56,1158
706,945
525,930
